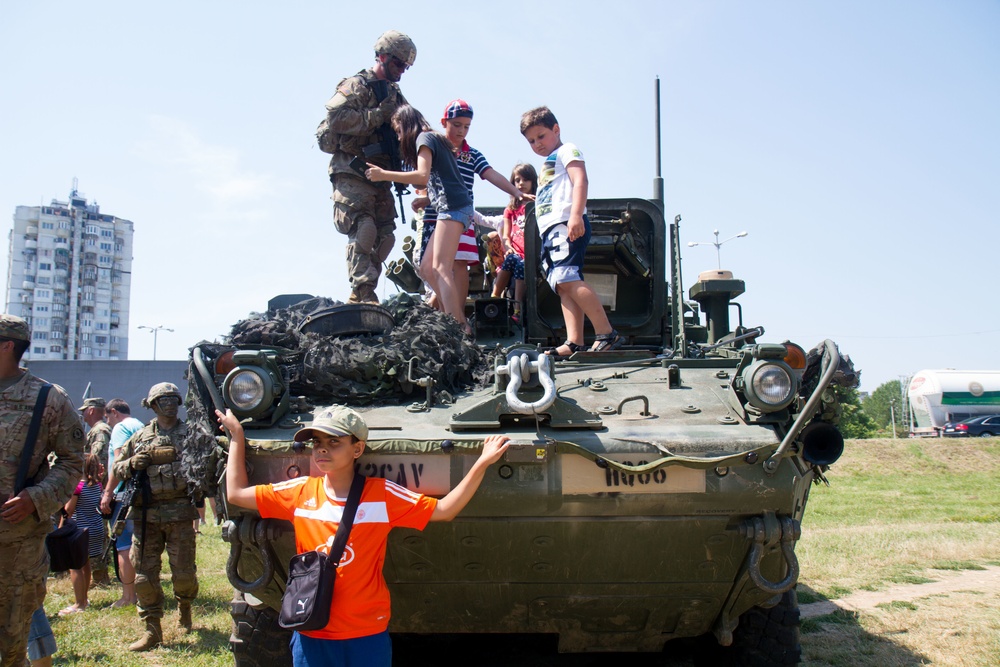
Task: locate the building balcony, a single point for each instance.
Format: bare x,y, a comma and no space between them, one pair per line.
30,244
31,230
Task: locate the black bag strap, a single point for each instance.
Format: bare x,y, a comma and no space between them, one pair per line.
346,521
29,443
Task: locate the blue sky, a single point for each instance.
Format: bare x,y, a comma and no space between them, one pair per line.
856,142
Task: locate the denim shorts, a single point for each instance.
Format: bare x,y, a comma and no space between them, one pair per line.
462,215
41,641
371,651
124,541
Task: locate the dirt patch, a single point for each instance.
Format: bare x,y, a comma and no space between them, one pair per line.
947,581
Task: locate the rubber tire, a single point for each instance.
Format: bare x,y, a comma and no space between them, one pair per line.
257,639
985,434
764,638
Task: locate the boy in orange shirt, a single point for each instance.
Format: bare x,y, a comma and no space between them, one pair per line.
357,634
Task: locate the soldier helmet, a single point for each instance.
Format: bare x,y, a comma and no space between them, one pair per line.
396,44
160,390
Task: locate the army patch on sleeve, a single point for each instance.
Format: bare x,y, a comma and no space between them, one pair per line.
77,433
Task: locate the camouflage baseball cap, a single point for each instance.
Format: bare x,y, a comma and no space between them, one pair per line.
336,421
13,327
396,44
92,403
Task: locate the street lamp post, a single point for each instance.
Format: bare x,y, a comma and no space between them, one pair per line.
717,243
155,331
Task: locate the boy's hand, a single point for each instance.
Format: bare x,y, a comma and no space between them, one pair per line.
420,203
575,227
493,448
229,422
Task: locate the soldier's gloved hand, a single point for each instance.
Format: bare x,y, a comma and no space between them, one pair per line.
384,111
141,461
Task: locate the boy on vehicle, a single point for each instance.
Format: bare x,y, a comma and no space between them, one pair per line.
561,216
356,634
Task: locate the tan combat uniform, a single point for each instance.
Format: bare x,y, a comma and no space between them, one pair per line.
170,516
22,545
98,439
361,209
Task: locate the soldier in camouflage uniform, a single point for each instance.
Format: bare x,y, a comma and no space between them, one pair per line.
361,209
27,517
164,512
98,438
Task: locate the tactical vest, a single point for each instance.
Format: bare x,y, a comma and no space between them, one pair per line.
166,481
349,145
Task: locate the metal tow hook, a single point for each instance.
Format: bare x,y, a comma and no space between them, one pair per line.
790,533
236,538
520,369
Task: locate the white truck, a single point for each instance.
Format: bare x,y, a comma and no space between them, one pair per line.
947,395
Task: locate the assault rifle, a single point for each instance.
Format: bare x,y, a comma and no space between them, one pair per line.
124,499
388,143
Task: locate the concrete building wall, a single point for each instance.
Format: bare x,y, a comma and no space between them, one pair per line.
130,380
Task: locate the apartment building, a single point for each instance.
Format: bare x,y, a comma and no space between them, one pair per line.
69,275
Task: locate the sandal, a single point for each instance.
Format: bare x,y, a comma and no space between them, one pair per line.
72,609
607,342
573,349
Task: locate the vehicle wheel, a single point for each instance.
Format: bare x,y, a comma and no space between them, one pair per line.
985,434
764,638
257,639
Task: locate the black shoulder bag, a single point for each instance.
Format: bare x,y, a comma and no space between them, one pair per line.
311,575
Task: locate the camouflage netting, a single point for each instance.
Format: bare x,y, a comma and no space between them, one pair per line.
367,369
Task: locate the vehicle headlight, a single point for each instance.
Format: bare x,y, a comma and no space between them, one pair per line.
768,385
248,390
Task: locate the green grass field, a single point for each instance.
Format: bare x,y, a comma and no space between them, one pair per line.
894,510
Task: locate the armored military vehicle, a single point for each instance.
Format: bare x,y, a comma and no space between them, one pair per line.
652,493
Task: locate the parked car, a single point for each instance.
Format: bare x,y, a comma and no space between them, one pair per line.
983,426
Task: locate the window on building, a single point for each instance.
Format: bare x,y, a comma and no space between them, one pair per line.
106,247
64,224
57,335
41,309
62,240
107,233
44,266
92,229
85,350
44,280
40,335
38,350
88,323
48,225
56,348
43,293
58,307
102,326
41,321
85,336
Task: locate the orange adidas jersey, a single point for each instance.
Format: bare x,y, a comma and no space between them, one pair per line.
360,595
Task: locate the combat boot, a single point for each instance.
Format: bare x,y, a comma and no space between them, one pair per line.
152,638
185,619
